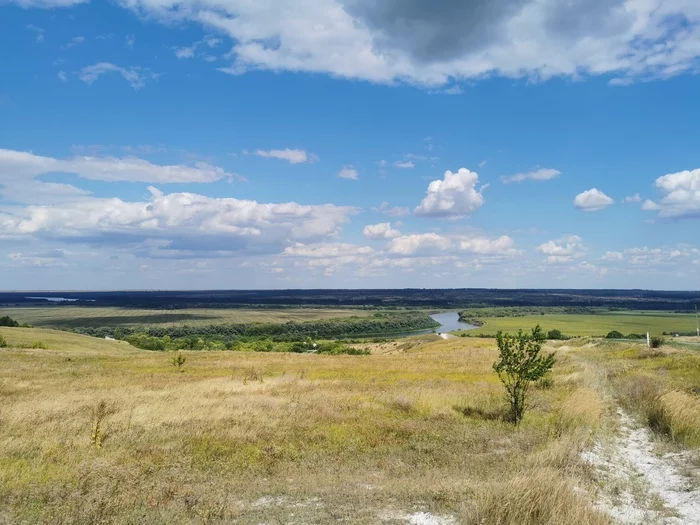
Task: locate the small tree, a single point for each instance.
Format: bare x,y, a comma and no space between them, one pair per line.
657,342
520,365
3,343
555,334
179,361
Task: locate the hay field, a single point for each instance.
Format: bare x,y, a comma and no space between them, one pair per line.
284,438
85,316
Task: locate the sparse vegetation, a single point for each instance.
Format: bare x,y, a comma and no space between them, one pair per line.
520,364
178,361
325,438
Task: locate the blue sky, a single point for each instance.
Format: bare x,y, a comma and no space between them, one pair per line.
331,143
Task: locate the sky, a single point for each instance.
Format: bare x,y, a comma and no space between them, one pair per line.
216,144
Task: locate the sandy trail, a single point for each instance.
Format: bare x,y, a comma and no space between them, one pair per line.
641,487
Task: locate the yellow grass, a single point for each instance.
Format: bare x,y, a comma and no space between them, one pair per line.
661,385
281,438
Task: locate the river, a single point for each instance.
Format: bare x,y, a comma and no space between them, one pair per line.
449,322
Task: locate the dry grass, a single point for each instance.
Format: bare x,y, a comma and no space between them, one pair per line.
281,438
662,385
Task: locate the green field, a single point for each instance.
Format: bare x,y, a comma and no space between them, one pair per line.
626,322
85,316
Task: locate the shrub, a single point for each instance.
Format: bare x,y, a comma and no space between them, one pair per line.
178,361
520,365
555,334
657,342
3,343
615,335
8,321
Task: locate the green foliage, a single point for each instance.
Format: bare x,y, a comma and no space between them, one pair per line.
179,361
555,334
614,335
380,323
8,321
519,365
657,342
3,342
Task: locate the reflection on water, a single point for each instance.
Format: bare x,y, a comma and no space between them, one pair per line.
449,321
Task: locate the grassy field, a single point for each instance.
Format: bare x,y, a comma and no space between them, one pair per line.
279,438
593,324
83,317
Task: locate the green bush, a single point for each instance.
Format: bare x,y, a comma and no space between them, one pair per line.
615,335
8,321
520,364
657,342
3,343
555,334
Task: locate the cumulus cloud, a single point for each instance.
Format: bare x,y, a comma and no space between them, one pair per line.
453,196
592,200
137,77
537,175
434,44
632,199
562,250
433,242
180,223
383,230
348,173
681,195
293,156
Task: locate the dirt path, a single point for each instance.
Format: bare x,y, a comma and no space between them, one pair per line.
639,486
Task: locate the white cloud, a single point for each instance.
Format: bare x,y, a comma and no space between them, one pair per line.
322,250
20,165
681,195
405,164
632,199
435,44
612,256
75,41
179,224
453,196
592,200
130,40
392,211
137,77
184,52
432,242
38,33
537,175
348,173
62,76
293,156
562,250
383,230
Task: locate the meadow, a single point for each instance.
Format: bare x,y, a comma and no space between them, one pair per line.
67,317
593,324
98,432
281,438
